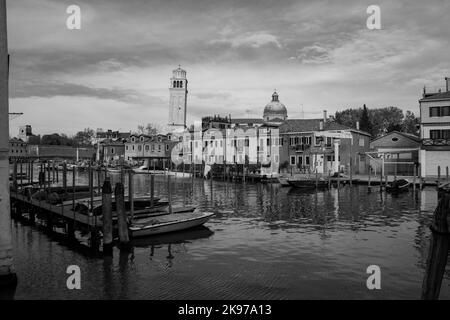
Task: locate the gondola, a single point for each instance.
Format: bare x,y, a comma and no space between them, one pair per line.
401,185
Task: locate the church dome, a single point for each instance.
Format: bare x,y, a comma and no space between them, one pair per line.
275,109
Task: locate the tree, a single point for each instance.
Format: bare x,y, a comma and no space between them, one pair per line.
364,121
56,139
34,139
84,138
410,123
150,129
348,117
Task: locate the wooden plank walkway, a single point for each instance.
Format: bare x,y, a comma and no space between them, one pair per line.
58,210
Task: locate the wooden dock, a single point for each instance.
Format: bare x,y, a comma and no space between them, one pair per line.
62,211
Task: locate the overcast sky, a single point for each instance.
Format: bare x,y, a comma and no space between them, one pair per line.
114,72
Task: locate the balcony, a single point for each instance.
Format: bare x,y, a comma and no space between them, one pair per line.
436,144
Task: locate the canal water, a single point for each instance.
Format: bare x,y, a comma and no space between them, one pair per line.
265,242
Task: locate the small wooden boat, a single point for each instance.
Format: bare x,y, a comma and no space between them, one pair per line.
284,182
168,223
400,185
308,183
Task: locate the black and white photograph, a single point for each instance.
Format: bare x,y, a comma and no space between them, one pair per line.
233,152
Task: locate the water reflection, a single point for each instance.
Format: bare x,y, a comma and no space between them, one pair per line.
263,242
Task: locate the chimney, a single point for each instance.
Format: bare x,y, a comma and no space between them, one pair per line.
324,116
357,125
447,83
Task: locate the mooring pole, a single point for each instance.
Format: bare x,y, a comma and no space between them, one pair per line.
64,177
439,177
414,177
169,194
130,193
439,246
107,216
121,214
152,189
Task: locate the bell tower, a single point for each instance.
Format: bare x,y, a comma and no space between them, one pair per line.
178,98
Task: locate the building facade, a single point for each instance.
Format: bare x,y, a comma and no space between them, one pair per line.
278,144
149,149
395,153
17,148
435,131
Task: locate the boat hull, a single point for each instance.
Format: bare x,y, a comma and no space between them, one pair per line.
185,222
308,184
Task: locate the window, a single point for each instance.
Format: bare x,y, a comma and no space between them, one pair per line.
329,158
292,160
153,147
126,147
146,147
139,148
159,146
300,160
329,142
112,149
440,134
167,147
132,147
435,111
440,111
307,160
361,142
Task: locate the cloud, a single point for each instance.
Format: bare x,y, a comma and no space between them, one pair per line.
43,89
253,40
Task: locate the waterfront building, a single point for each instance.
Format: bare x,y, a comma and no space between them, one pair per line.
108,136
435,130
276,143
395,153
152,149
111,151
17,148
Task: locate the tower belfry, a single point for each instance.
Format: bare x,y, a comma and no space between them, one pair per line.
178,98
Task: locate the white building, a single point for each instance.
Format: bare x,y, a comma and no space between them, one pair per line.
178,98
435,131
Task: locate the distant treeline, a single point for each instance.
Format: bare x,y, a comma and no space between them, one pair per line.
80,139
379,121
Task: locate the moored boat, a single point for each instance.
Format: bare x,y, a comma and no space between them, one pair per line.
308,183
168,223
400,185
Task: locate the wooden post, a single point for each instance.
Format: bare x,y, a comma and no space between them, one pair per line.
414,178
446,173
381,180
107,216
439,246
152,189
121,214
73,189
368,178
49,178
329,179
64,177
53,171
91,186
439,177
169,194
31,172
21,174
130,193
15,175
317,179
351,165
